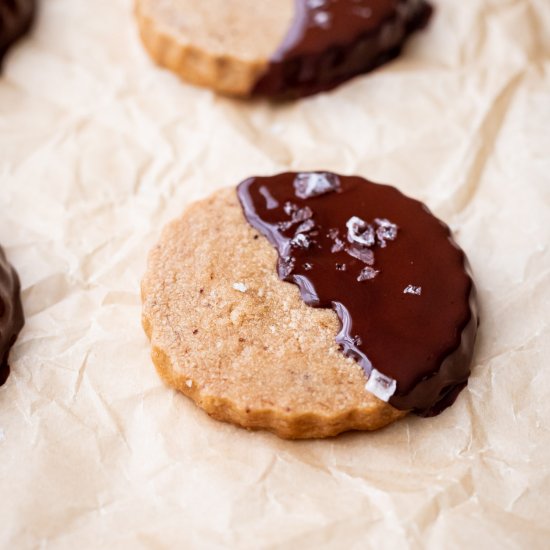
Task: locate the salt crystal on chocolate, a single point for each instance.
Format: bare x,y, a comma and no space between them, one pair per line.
313,184
386,231
411,289
361,232
301,241
365,255
338,246
289,208
381,385
308,225
367,274
302,214
286,266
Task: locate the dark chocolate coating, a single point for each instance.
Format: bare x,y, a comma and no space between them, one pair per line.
413,316
11,313
16,17
331,41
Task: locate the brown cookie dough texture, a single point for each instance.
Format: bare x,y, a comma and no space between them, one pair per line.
221,44
226,332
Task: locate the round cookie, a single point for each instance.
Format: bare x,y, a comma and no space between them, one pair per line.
228,333
16,18
11,313
246,48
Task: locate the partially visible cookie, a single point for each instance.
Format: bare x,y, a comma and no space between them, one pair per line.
11,313
221,44
228,333
296,47
16,17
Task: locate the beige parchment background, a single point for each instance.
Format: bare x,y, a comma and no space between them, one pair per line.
99,149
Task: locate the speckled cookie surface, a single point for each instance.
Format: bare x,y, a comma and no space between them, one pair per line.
242,344
220,44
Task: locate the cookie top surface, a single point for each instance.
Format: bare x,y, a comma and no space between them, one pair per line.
245,29
389,268
228,333
15,19
247,47
11,313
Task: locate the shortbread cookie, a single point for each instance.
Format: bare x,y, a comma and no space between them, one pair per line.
11,313
296,47
16,17
246,346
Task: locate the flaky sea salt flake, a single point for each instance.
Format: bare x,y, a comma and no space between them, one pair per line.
381,385
411,289
365,255
360,232
301,241
304,227
367,274
302,214
386,231
289,208
286,266
313,184
241,287
338,246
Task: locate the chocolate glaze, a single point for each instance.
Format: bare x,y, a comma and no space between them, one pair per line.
16,17
11,313
331,41
412,317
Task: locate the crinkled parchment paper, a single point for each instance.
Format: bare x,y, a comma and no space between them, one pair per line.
99,149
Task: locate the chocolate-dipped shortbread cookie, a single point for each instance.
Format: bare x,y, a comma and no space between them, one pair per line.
286,48
11,313
16,18
309,304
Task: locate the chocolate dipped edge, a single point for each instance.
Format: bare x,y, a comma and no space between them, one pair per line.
434,393
16,319
284,78
21,23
